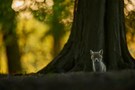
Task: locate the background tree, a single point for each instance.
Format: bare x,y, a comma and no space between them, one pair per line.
97,24
130,25
58,23
42,29
10,39
58,20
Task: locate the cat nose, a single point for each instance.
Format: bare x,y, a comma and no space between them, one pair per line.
96,59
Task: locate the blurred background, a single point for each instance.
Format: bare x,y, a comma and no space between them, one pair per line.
33,32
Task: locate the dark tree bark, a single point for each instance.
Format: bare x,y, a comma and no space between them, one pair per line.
10,39
97,24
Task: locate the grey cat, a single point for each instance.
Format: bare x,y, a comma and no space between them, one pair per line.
97,63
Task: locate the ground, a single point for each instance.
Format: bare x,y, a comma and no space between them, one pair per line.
120,80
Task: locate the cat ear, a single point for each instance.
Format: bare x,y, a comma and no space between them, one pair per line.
91,52
101,52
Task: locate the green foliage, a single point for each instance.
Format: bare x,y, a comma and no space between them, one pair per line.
130,18
39,14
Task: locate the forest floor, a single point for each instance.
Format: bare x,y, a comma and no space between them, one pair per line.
120,80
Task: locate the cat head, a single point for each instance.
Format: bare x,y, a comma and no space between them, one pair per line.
96,56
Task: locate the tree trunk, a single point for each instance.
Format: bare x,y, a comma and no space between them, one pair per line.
97,24
10,39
